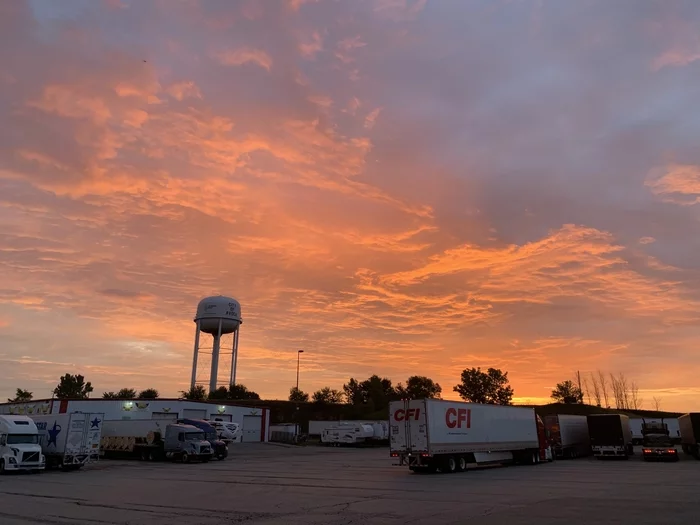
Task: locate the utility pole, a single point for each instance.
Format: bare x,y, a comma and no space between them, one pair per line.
299,352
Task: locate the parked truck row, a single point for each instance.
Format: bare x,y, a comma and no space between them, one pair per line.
70,441
447,436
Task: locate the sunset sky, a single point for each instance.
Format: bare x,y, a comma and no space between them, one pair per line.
398,187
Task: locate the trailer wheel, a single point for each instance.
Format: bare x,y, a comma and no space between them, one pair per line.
2,467
449,465
461,464
185,458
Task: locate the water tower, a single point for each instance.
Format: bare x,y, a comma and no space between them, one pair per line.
218,317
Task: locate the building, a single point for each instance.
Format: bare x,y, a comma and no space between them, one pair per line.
255,421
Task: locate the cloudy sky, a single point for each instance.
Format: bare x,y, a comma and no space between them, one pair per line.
396,186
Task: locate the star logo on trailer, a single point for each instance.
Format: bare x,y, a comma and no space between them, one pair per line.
53,433
95,423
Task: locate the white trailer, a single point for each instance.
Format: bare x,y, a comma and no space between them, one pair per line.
154,440
347,435
568,435
432,434
19,445
70,441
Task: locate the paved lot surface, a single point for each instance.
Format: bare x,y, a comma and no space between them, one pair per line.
275,485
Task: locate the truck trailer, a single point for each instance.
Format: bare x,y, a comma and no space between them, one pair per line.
690,433
610,435
432,434
19,445
153,440
568,435
70,441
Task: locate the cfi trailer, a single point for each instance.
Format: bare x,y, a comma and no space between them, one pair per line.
432,434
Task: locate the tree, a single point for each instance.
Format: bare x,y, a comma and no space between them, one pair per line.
21,395
597,395
241,392
375,391
419,387
353,392
603,382
567,392
109,395
149,393
327,396
490,387
219,393
656,403
636,402
620,389
72,387
126,393
298,396
196,393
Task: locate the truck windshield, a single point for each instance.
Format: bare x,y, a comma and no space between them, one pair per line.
195,435
22,439
657,439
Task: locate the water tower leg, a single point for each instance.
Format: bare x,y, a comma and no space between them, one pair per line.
234,357
194,359
215,359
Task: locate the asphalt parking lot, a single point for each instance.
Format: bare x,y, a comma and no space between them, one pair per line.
275,485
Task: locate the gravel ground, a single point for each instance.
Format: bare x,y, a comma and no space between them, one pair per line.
278,485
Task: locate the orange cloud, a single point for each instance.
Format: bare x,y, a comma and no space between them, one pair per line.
677,183
465,230
239,57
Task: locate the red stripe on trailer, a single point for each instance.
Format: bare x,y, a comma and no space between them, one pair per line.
64,406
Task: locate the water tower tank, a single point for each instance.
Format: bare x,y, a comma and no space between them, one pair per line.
216,316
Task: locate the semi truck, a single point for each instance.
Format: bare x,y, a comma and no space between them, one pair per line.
435,435
218,446
19,445
610,435
154,440
70,441
690,433
568,435
656,442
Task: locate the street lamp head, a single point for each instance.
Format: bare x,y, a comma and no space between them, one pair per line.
300,351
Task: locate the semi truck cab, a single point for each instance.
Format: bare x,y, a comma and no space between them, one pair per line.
220,450
185,442
19,445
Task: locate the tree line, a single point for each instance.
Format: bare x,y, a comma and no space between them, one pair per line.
375,393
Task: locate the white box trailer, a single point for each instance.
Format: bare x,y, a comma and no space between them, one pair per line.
432,434
568,435
70,441
347,435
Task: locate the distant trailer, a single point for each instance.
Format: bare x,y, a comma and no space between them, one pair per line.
568,435
610,435
690,434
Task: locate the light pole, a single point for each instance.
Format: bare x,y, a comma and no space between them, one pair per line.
299,352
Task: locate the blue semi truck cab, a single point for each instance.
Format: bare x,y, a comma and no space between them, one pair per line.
219,448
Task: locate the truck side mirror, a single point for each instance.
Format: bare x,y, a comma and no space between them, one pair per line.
3,440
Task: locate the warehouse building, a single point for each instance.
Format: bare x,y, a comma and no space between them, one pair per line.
255,421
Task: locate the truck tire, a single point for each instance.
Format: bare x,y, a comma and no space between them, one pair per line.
185,458
449,465
461,464
2,467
